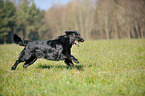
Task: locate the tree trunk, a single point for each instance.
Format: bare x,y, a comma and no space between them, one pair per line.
106,29
136,27
141,32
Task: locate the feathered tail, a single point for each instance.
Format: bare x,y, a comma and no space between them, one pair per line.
19,40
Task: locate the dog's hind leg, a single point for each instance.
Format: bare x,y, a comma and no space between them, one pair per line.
24,55
69,63
19,60
29,62
15,65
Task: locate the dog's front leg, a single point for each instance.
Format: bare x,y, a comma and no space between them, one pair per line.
71,57
74,59
69,63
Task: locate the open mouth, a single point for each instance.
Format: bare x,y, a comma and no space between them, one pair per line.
77,43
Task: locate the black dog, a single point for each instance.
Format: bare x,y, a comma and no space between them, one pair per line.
57,49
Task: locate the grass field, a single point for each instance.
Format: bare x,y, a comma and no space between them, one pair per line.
107,67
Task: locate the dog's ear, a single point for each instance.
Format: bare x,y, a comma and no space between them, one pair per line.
72,31
68,32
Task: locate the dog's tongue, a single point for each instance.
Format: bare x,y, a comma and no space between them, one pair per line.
77,43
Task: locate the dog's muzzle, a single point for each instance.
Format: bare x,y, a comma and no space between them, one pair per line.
77,42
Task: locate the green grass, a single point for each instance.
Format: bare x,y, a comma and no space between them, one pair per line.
113,67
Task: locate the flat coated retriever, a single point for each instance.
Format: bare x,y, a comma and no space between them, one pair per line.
57,49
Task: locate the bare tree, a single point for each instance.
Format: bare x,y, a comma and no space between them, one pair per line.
99,19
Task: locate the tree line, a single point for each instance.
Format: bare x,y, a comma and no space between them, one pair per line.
95,19
23,18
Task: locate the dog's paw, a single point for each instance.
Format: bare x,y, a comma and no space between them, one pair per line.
75,60
25,66
13,68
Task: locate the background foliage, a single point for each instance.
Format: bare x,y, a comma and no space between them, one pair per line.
95,19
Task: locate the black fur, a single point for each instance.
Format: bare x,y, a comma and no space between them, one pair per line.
57,49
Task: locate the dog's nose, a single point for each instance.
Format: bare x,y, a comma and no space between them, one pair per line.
82,40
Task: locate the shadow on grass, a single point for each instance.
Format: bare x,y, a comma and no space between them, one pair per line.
78,67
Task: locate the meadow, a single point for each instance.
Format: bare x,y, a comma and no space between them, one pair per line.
106,68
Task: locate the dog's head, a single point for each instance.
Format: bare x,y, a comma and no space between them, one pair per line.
74,37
